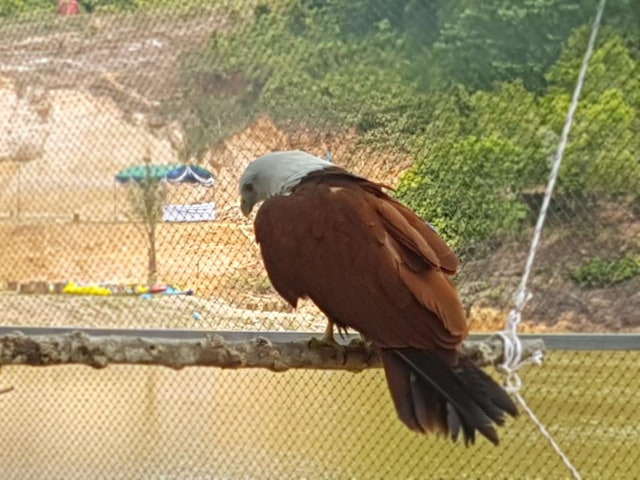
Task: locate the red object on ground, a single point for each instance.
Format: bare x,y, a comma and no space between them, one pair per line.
68,7
158,288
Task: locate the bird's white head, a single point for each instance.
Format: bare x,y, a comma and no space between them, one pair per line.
276,173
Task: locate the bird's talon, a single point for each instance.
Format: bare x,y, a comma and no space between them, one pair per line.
327,340
323,342
361,342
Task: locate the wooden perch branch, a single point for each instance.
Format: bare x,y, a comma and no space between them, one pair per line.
211,351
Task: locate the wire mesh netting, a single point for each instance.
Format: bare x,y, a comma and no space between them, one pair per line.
124,128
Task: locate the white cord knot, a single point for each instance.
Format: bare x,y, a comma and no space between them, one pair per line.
512,351
512,360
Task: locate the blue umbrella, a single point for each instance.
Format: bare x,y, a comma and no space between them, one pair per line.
170,173
191,174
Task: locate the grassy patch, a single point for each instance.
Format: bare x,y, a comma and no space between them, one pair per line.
599,273
259,284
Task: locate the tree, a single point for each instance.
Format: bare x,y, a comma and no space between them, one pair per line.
484,43
146,199
602,155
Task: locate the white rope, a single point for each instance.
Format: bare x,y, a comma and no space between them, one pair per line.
547,435
512,360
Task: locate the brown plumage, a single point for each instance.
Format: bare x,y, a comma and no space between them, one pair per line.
369,263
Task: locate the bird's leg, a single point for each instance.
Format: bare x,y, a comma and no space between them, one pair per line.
327,340
328,333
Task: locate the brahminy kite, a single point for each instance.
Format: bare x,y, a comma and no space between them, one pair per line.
371,264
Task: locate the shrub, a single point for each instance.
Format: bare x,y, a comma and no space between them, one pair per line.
468,189
10,8
599,273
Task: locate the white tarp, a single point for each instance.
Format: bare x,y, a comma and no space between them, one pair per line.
197,212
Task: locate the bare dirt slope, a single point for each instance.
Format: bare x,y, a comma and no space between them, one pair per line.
131,57
77,96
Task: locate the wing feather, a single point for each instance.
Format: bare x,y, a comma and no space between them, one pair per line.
423,274
416,250
417,236
435,291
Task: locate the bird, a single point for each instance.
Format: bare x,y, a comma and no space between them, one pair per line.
371,264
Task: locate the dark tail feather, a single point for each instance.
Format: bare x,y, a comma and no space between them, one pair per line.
429,395
486,392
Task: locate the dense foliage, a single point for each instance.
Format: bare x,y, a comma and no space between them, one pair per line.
9,8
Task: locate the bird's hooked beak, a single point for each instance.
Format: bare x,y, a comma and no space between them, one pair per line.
248,195
246,206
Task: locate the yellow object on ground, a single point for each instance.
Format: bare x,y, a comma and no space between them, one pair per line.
86,289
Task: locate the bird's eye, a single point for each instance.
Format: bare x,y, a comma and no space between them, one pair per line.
248,187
